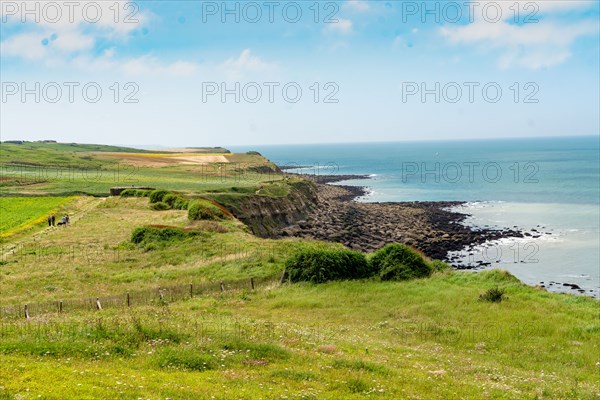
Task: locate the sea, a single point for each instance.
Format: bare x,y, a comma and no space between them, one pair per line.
548,187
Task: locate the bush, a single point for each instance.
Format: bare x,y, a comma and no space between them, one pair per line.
204,209
157,195
175,201
321,265
180,204
135,193
129,193
160,206
399,262
170,199
439,266
493,295
147,234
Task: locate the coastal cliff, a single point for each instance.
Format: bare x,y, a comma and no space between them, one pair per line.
267,215
308,208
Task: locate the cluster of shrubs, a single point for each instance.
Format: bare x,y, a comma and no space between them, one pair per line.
161,200
164,200
321,265
205,210
135,193
393,262
154,237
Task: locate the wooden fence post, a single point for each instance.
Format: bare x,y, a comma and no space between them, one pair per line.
191,290
26,312
60,306
128,301
98,305
283,277
252,283
222,287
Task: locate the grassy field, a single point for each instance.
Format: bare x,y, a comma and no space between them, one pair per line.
422,339
94,256
425,339
62,170
20,213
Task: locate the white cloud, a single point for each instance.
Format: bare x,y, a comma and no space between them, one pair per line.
65,29
26,45
531,45
65,37
117,16
236,67
357,5
343,26
143,66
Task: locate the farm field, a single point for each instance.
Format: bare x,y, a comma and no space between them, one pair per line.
19,213
36,169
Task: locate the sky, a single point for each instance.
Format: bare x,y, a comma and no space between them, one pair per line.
204,73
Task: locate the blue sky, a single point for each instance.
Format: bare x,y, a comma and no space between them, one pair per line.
355,66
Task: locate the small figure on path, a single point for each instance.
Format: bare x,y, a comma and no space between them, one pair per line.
53,219
67,219
49,220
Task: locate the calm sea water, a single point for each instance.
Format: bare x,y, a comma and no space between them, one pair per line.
548,184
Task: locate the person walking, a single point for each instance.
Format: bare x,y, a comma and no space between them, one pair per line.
49,220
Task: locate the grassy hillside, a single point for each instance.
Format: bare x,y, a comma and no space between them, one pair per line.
39,169
429,338
426,339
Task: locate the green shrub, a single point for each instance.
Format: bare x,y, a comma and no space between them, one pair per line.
175,201
180,204
204,209
439,266
129,193
321,265
493,295
399,262
157,195
135,193
160,206
147,234
170,199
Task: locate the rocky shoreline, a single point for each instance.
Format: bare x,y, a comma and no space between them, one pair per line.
427,226
431,227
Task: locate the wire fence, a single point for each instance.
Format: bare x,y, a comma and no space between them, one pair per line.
157,296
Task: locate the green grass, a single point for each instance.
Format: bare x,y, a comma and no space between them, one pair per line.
19,213
430,338
65,169
94,256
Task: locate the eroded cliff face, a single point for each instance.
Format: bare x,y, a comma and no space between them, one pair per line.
266,216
